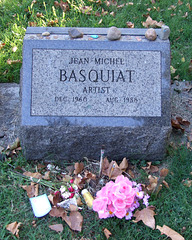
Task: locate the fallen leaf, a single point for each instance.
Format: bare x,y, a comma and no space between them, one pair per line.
78,167
175,124
56,212
164,172
150,168
73,207
179,2
130,24
33,175
2,45
89,175
112,171
74,220
170,232
79,202
112,14
152,23
14,228
56,227
166,184
47,175
32,24
120,6
100,21
50,197
39,15
107,233
172,69
124,164
183,121
56,198
187,182
64,6
86,10
32,190
147,216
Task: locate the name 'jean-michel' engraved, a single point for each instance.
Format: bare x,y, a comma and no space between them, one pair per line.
96,75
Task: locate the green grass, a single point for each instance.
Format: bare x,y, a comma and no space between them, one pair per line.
15,16
173,207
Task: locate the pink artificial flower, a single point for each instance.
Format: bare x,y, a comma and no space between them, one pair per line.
71,180
121,178
100,204
71,189
119,203
72,195
103,214
120,213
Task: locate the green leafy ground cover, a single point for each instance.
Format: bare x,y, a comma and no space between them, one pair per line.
173,206
15,16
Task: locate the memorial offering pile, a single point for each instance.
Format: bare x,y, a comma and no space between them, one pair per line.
115,194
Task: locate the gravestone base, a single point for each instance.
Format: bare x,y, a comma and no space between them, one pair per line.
73,143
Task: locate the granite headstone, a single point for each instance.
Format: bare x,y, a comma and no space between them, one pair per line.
80,94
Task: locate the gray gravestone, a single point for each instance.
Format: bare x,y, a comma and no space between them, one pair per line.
80,94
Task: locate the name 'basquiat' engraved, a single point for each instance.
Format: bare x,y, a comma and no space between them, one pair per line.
96,75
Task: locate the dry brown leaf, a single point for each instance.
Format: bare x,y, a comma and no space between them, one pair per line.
56,198
50,197
64,6
152,183
124,165
33,175
152,23
107,233
182,121
56,227
166,184
79,202
14,228
79,181
73,207
112,171
86,10
57,212
74,220
175,124
130,25
147,216
39,15
10,62
78,167
47,175
164,172
187,182
150,168
170,232
131,173
179,2
15,145
100,21
89,175
32,190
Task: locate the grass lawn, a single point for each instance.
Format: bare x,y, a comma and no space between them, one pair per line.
15,16
173,206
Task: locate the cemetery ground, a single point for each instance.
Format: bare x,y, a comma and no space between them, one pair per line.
173,204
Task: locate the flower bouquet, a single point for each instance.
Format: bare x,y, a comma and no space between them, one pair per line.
119,198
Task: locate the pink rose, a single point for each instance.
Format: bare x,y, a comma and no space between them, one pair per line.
119,203
100,204
103,214
120,213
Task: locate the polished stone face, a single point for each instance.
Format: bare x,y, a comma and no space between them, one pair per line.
96,83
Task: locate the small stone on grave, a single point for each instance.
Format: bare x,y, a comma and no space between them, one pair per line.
151,34
165,32
113,34
75,33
